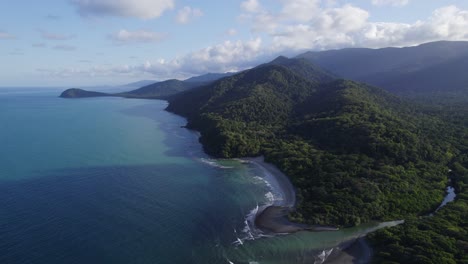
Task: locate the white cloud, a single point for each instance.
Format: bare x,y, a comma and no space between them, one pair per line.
227,56
223,57
390,2
300,10
446,23
145,9
5,35
186,14
251,6
124,36
328,26
314,24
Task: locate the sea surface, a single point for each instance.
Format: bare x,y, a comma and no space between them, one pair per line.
113,180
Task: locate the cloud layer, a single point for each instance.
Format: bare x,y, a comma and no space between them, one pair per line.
144,9
289,28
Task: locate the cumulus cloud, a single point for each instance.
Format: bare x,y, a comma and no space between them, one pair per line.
325,25
124,36
390,2
300,10
446,23
186,14
5,35
316,25
251,6
223,57
144,9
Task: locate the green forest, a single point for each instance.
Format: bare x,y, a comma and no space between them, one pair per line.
355,153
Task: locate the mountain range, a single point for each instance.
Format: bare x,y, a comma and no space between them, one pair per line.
431,69
344,126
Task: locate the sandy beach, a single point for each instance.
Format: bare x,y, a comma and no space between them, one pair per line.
273,218
355,251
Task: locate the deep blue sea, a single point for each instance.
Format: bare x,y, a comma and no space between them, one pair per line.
112,180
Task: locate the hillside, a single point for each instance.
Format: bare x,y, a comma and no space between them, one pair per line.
431,69
209,77
355,153
162,89
80,93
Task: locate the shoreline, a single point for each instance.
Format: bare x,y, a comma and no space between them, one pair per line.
273,218
349,252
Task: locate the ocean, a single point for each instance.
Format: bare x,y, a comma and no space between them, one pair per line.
113,180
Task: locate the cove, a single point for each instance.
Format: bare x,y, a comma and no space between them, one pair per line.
112,180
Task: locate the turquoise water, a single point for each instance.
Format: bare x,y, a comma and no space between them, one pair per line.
112,180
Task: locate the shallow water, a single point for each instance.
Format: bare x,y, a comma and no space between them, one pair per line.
112,180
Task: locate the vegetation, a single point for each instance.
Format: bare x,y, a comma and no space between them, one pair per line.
355,153
80,93
443,237
433,69
161,90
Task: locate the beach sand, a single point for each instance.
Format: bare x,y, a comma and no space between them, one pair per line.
273,219
356,251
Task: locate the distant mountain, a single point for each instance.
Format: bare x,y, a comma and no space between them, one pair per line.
140,83
209,77
347,147
161,89
154,90
80,93
432,68
304,68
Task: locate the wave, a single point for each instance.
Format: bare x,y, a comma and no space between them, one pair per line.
320,258
214,163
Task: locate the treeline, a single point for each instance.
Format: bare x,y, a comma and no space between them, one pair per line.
355,153
442,237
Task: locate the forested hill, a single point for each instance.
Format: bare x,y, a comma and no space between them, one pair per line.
161,90
428,70
155,90
354,152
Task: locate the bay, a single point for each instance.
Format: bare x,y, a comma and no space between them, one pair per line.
112,180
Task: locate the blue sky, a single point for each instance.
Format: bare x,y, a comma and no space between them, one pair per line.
107,42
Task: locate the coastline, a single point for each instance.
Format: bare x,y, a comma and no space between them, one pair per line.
351,252
273,218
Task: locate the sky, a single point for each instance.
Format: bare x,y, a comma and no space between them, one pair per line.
109,42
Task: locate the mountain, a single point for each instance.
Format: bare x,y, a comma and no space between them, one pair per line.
80,93
354,152
151,89
428,69
304,68
140,83
161,89
209,77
